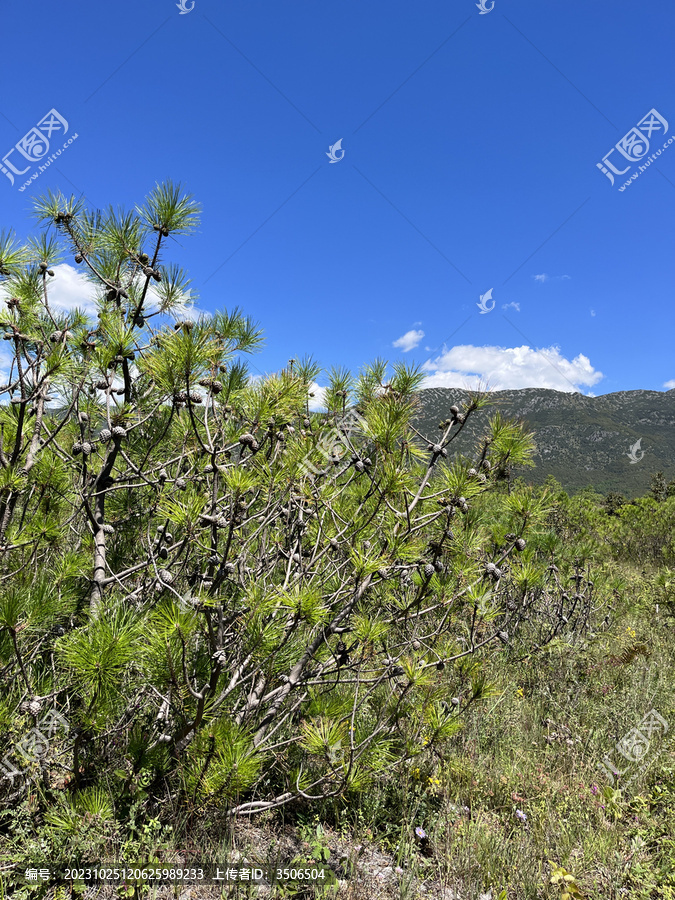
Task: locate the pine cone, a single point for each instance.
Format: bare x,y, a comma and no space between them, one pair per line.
195,397
520,544
102,385
454,410
359,466
78,258
490,568
429,570
166,576
77,448
472,473
107,529
105,434
163,475
119,431
181,484
55,336
86,448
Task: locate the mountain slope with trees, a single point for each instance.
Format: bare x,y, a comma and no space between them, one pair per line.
581,441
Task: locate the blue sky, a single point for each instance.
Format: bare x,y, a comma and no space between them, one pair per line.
470,148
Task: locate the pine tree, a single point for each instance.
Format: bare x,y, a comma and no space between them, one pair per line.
237,600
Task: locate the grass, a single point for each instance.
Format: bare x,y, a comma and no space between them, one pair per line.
507,807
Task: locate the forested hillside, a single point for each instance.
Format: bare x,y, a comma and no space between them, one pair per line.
581,441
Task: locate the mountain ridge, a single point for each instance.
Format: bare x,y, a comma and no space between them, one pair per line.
582,441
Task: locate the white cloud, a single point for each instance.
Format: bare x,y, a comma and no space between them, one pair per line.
70,289
186,310
593,312
546,277
509,368
670,385
409,340
5,364
513,305
318,401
